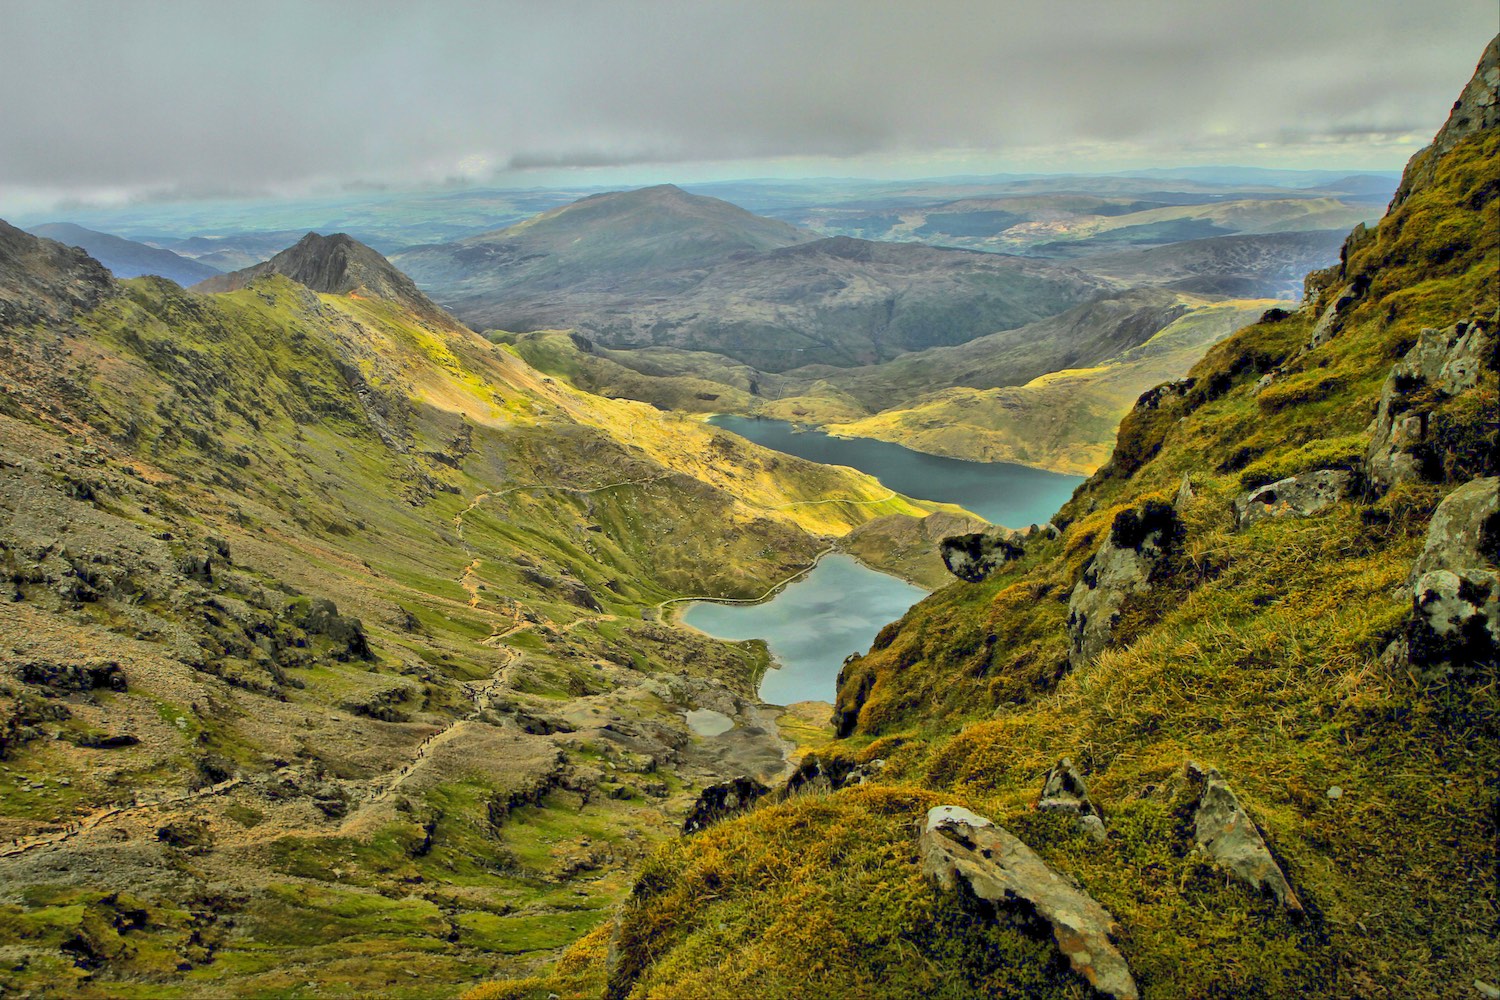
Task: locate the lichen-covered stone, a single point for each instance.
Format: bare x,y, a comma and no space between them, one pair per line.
1295,496
1124,565
1063,790
1455,622
975,556
1442,364
1332,318
1225,832
1184,494
958,846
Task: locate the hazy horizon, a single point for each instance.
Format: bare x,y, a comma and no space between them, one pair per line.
113,105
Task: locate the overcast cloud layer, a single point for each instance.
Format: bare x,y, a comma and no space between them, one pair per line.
111,99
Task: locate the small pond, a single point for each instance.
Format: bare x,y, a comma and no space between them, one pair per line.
812,624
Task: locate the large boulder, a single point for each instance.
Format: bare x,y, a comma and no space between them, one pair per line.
1295,496
1126,564
961,848
1454,629
1224,832
1404,439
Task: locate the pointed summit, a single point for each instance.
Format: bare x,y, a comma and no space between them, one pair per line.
335,265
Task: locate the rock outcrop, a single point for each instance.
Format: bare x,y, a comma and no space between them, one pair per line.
1296,496
1477,109
1454,629
1125,565
817,774
1063,791
719,801
1405,440
974,557
961,848
43,281
1184,495
1332,318
1223,831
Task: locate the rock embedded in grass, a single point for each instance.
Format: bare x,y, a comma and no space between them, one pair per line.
959,847
1064,791
1226,833
1295,496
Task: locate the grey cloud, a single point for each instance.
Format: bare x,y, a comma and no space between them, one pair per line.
178,97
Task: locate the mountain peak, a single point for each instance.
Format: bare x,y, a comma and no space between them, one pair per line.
661,214
336,265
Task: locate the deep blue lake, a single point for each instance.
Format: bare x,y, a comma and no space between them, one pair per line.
812,624
999,492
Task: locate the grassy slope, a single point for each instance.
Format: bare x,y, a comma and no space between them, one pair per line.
1258,656
426,503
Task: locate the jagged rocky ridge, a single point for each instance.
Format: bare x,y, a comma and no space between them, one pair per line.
337,265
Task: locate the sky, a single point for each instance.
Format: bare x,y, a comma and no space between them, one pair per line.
107,102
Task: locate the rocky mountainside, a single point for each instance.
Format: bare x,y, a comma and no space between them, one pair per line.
662,267
127,258
43,281
1229,727
334,630
1064,420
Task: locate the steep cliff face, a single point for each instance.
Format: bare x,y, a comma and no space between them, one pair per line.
1286,708
1476,110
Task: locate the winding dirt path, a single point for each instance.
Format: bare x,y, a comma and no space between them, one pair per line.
481,694
99,816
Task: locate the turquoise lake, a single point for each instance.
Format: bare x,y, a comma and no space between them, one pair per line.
812,624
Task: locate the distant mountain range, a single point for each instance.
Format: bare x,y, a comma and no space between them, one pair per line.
127,258
660,266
